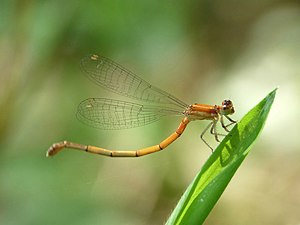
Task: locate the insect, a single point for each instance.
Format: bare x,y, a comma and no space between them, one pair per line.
107,113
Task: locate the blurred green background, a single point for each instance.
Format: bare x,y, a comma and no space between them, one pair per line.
200,51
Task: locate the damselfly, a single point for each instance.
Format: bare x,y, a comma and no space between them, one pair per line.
107,113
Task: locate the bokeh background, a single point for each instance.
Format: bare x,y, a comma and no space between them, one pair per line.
200,51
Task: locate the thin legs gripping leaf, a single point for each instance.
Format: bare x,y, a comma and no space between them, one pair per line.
231,122
213,128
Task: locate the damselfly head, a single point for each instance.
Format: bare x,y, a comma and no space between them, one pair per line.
227,107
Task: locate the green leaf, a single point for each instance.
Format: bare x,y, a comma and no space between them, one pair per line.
207,187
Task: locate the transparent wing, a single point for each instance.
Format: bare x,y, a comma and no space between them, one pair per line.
116,78
106,113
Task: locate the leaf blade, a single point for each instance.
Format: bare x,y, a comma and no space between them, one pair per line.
209,184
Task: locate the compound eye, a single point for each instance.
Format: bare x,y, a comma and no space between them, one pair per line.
227,102
227,105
